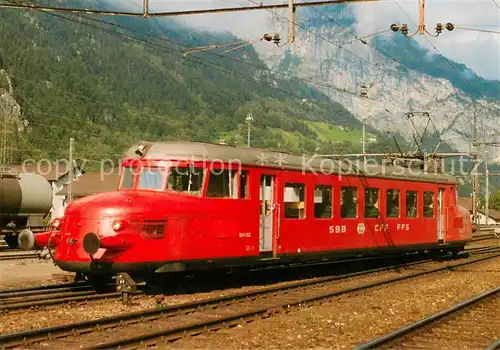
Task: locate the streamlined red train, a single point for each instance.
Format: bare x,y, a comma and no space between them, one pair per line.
183,206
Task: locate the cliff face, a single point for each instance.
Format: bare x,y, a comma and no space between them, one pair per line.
10,110
327,53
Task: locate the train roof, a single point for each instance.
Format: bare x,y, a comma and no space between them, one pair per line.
209,152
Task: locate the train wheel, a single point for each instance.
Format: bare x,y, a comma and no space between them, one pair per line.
11,240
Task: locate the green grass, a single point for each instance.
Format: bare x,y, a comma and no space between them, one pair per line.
330,132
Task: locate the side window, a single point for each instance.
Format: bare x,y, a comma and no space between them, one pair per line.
188,180
323,202
411,204
372,203
222,184
349,202
244,193
293,198
428,204
392,204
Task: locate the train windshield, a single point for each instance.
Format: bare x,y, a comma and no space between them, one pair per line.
127,180
187,180
151,179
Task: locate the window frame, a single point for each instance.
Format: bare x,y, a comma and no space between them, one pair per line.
187,166
416,204
357,201
433,205
133,175
377,202
331,188
304,201
387,213
247,184
231,183
159,169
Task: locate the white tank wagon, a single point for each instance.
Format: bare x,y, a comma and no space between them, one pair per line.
25,201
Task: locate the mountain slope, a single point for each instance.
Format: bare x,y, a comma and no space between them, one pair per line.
102,84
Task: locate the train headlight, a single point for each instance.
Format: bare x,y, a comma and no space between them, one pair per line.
118,225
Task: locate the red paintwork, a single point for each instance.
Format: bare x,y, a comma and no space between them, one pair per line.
214,228
42,239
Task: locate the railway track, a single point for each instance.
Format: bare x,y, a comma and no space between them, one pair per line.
173,322
57,294
76,293
54,295
472,324
484,237
4,257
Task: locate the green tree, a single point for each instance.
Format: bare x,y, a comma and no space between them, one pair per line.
494,202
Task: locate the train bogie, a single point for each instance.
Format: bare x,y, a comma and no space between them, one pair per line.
188,206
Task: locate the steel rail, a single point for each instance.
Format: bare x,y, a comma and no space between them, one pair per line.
19,256
83,292
82,297
37,291
400,333
57,296
33,336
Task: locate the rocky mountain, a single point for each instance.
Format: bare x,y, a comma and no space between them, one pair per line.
400,75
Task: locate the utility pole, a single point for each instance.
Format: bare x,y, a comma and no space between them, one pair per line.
249,120
3,113
364,95
487,191
364,141
70,181
291,29
4,140
475,178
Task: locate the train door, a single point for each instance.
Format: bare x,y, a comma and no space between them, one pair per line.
267,208
440,216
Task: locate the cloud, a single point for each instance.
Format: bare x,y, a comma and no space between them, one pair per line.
479,51
247,25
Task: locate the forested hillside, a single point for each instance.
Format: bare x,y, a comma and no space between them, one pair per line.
110,84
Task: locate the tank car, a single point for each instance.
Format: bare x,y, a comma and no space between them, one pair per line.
25,200
183,206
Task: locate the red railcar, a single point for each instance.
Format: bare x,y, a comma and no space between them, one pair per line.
185,205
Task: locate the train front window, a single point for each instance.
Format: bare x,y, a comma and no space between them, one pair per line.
151,179
187,180
127,180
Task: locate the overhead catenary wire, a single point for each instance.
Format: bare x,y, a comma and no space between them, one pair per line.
15,5
478,30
